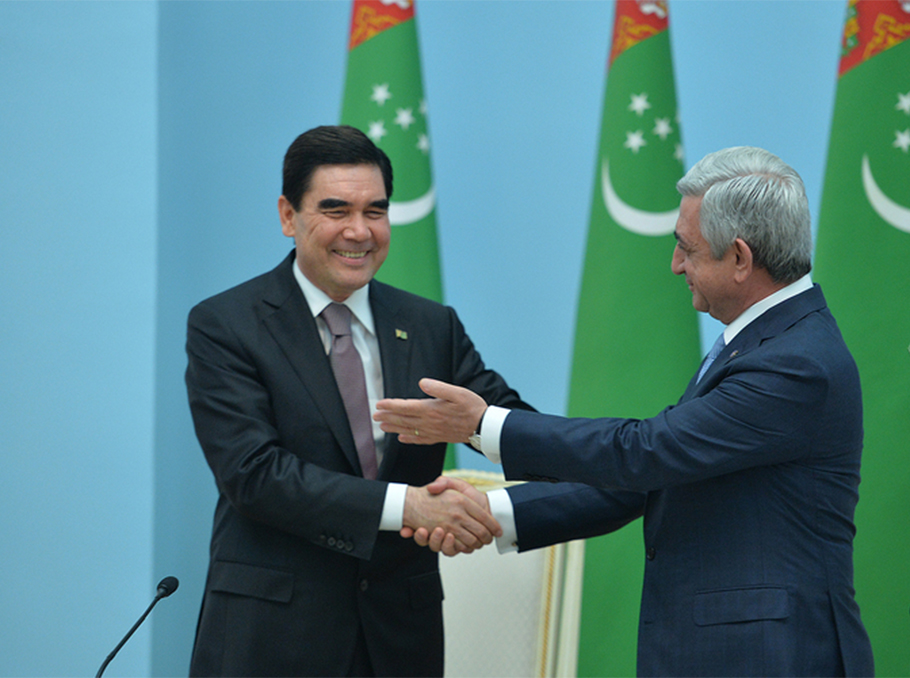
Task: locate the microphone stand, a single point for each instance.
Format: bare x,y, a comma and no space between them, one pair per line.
164,590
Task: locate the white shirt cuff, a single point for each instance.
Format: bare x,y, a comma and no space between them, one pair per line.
491,430
393,508
502,510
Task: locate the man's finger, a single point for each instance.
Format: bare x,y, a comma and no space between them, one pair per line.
436,539
440,485
440,389
480,515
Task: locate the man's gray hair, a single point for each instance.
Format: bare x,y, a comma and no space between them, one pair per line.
752,194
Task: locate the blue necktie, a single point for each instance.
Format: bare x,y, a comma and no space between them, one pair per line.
712,355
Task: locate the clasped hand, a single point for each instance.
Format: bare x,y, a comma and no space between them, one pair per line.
449,515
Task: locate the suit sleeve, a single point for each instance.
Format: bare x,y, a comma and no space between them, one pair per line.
231,398
761,413
545,513
553,513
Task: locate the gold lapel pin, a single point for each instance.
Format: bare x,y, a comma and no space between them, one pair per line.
401,334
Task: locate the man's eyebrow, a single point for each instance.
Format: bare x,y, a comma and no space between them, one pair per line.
332,203
335,203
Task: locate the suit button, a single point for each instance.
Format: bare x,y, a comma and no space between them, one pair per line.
331,541
348,546
363,585
651,553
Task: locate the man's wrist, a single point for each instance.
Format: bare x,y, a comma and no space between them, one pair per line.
493,420
474,439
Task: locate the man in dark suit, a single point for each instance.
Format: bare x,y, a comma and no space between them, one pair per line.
308,575
747,485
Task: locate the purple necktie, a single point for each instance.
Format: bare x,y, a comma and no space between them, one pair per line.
348,369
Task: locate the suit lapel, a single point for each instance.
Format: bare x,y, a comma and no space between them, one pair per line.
288,318
770,324
393,330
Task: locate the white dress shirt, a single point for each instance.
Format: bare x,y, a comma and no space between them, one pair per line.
495,417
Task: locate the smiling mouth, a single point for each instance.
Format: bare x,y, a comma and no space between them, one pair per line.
351,255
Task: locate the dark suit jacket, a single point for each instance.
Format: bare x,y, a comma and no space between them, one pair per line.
297,561
747,487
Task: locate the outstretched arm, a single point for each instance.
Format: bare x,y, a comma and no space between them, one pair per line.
450,415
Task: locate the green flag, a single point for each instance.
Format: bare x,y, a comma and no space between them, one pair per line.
863,266
637,338
383,97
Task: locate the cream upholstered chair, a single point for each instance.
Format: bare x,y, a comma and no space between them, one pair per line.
511,614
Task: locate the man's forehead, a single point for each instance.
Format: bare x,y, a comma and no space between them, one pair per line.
334,180
688,227
344,169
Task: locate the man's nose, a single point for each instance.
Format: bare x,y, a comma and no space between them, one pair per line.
676,263
357,228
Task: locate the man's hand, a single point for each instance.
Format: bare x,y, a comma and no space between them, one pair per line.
439,539
450,415
458,517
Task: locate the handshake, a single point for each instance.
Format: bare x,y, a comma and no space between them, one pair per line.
449,515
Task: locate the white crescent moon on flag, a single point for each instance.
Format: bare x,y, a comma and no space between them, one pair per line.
895,214
635,220
408,212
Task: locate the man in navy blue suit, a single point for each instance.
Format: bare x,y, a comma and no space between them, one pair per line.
747,486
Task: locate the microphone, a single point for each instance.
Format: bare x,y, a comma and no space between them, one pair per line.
165,588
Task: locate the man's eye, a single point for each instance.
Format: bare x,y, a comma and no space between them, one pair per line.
376,214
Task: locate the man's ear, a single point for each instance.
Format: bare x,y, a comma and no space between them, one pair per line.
743,262
286,213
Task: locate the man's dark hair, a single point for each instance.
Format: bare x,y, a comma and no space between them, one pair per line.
329,145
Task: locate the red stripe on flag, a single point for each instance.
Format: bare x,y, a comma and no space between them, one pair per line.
636,20
369,18
871,27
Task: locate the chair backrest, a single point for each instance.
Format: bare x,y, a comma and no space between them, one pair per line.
511,614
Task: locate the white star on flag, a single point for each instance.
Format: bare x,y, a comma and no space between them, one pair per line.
423,107
678,152
635,140
902,140
662,128
423,143
903,102
381,93
377,131
404,118
639,104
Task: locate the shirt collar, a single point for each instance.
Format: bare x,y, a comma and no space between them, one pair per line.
358,302
772,300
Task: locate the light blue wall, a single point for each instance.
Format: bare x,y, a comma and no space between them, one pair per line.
140,153
77,331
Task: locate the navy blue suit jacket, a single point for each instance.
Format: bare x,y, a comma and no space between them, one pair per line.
297,561
747,487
